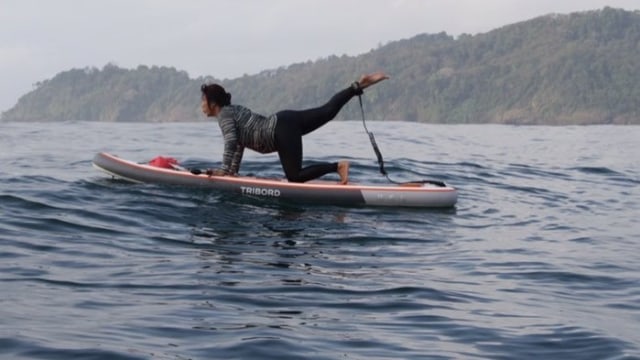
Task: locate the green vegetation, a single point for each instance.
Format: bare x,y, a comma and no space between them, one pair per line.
580,68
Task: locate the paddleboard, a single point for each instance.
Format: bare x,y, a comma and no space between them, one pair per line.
317,191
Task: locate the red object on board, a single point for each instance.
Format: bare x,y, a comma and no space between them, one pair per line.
163,162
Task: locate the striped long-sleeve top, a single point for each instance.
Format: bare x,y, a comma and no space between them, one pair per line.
243,128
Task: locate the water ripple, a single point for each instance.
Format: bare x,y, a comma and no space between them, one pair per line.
537,260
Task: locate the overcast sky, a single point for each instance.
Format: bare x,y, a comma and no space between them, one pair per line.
229,38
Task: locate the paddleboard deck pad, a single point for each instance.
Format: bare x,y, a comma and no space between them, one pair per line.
321,192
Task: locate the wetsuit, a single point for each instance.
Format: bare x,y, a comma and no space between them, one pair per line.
281,132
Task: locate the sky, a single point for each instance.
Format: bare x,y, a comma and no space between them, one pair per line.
230,38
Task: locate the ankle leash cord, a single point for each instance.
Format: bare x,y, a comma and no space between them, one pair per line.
381,160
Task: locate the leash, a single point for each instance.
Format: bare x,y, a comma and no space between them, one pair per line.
381,160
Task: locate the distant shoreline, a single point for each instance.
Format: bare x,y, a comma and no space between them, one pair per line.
576,69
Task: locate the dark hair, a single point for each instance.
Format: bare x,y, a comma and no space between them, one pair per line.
215,93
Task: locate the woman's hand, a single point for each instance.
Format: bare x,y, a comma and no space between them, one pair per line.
215,172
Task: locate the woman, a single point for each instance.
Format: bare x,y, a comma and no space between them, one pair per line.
281,132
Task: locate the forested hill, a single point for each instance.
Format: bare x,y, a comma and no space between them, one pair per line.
581,68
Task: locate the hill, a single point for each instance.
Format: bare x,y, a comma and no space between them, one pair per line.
580,68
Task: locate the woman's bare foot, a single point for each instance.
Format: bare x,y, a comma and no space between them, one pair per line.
343,171
370,79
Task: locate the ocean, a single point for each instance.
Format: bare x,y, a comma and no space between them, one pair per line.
540,259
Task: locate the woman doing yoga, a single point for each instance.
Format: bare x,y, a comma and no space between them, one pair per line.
281,132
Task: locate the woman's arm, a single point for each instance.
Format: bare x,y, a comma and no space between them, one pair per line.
235,161
232,149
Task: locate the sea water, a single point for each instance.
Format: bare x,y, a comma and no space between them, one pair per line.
540,259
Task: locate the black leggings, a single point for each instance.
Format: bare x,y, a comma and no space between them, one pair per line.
290,128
